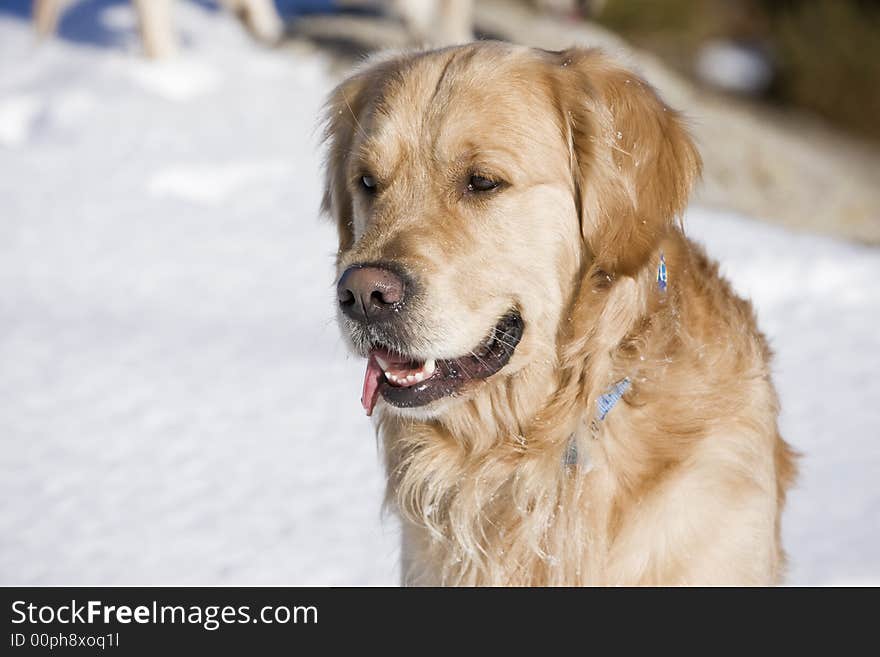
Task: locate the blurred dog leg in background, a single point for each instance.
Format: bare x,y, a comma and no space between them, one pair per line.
260,16
439,22
156,25
46,13
157,28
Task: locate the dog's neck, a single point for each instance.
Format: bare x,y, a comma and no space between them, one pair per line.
485,468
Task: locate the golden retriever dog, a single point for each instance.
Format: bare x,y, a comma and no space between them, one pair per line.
566,390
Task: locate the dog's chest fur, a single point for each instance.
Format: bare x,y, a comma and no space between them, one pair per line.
682,478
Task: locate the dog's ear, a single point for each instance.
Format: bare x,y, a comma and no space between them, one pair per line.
343,115
634,163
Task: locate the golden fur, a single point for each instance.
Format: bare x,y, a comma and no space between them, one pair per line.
684,481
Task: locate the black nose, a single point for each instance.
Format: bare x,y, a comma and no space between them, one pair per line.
370,293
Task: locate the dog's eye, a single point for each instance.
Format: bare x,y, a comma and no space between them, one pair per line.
481,184
369,183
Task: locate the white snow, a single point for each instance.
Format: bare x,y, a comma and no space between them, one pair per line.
213,184
166,297
175,80
17,115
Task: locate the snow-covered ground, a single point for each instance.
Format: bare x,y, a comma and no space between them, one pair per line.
177,407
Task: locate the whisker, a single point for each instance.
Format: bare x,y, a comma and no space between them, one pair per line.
497,331
354,116
465,370
506,343
480,360
500,335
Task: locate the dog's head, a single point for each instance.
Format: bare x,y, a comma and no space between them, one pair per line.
471,186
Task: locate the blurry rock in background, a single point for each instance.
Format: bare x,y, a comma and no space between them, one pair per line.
817,55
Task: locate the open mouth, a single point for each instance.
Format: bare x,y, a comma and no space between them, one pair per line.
408,383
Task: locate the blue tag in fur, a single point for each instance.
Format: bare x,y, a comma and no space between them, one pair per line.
661,274
607,401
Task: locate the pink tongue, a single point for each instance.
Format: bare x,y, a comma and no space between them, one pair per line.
371,385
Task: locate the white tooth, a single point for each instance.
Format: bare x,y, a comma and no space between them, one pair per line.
419,376
382,363
429,367
410,378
